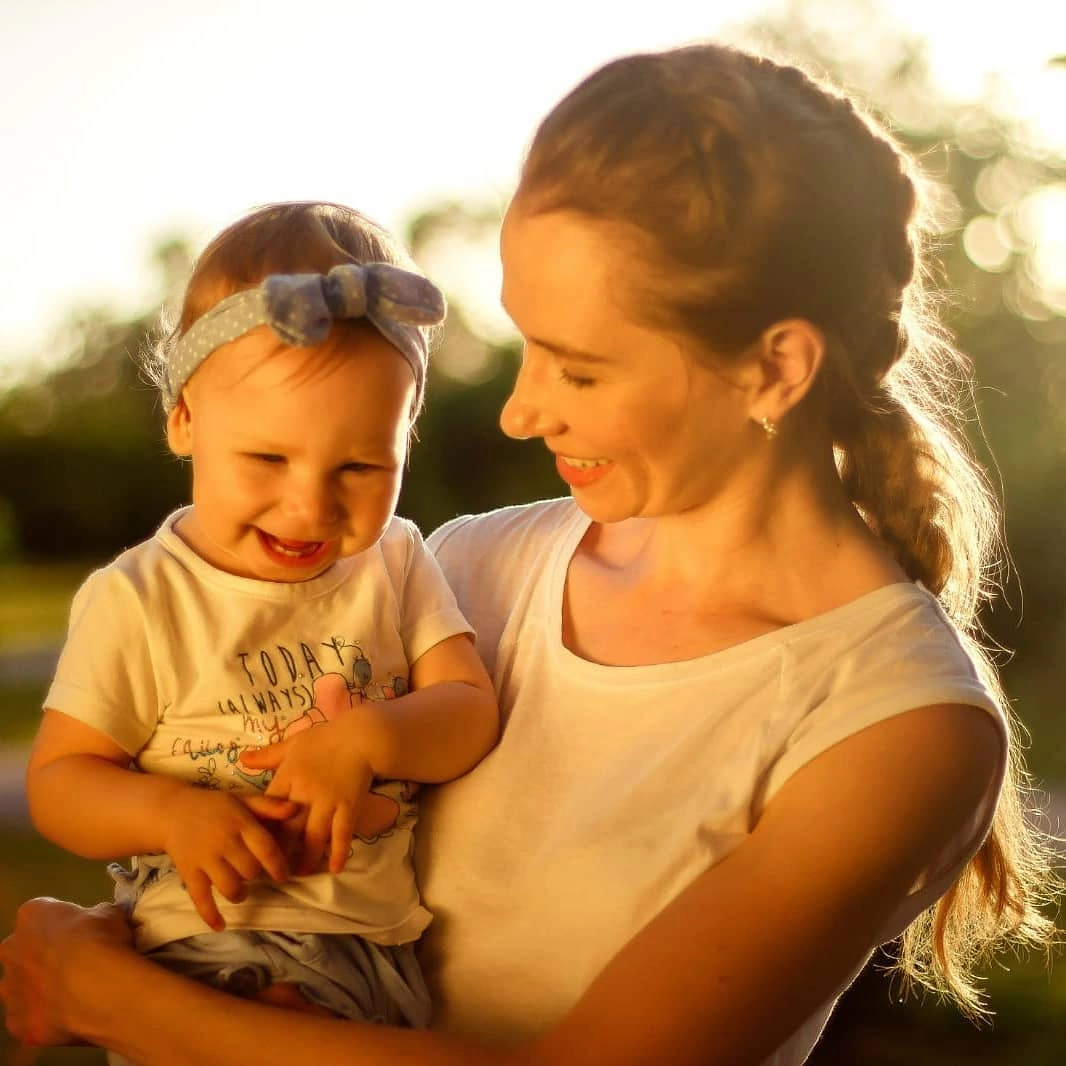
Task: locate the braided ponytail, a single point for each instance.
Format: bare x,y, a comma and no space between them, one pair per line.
898,393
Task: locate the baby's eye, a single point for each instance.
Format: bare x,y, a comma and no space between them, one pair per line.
571,379
357,468
267,457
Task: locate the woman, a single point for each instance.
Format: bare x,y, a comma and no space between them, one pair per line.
748,733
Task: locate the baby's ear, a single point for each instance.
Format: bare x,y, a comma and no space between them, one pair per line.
179,428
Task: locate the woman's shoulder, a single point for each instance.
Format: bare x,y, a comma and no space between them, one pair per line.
489,560
520,528
894,640
887,653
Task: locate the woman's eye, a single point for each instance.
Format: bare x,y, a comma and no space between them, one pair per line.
571,379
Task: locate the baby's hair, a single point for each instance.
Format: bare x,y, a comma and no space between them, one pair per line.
298,237
754,193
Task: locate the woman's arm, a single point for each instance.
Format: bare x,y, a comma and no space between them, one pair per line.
724,975
84,796
70,976
741,958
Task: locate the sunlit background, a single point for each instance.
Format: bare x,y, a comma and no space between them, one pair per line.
132,130
128,121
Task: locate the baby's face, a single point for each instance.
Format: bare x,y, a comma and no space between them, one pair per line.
297,453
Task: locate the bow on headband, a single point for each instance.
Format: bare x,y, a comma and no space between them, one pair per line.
300,308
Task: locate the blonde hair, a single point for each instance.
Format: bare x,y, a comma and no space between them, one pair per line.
759,195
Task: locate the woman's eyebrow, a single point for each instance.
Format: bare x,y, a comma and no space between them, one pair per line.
576,354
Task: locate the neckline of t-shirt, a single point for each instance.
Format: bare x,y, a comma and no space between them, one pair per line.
876,600
277,591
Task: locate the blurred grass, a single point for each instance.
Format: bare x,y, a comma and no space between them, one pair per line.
34,607
36,600
20,710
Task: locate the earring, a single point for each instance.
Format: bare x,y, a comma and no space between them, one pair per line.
768,427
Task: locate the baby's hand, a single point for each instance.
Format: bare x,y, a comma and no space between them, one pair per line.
217,842
377,814
323,770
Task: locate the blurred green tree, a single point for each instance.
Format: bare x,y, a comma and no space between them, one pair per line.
83,468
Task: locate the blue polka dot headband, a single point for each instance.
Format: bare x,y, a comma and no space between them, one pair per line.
300,308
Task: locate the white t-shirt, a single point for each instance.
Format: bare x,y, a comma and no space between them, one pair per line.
614,787
184,666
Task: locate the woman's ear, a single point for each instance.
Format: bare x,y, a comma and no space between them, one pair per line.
179,428
790,354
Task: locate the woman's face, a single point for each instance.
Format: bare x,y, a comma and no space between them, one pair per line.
636,426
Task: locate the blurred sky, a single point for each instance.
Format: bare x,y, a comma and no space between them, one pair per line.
127,120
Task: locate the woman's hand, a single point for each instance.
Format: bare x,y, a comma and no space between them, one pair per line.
46,945
218,842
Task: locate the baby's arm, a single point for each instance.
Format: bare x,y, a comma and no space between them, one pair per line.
85,796
438,731
444,726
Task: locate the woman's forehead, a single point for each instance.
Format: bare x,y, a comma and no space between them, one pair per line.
565,274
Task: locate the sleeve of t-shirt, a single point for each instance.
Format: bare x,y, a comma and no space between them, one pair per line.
451,551
488,558
922,663
428,609
930,666
104,676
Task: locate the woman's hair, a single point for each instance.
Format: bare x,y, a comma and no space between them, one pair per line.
302,237
755,194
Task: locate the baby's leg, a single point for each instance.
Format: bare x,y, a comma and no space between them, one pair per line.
286,994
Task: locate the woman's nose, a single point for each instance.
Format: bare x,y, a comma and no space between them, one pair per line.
528,412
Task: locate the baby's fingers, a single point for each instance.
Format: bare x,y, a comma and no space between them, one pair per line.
290,837
316,840
269,808
341,838
228,881
198,885
268,757
264,854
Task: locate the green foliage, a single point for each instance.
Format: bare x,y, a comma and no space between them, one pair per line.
84,470
462,463
1029,1025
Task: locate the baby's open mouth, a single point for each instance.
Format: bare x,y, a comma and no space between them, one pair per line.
290,549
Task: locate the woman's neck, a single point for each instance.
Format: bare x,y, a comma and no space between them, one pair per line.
786,545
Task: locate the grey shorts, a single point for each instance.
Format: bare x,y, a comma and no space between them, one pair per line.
352,977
